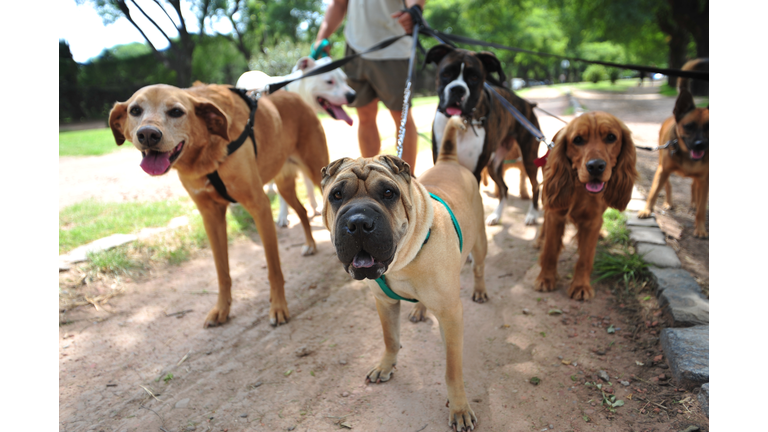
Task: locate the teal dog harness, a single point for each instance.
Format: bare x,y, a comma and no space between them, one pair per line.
383,284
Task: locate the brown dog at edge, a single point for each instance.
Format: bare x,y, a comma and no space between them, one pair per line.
591,168
189,129
384,223
687,131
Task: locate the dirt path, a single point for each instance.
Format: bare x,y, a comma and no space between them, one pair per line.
308,375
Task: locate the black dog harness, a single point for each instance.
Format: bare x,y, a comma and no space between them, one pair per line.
234,145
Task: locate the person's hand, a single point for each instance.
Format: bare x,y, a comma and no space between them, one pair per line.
326,48
405,20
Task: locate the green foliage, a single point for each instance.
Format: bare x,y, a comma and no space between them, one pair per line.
281,58
113,262
623,265
217,60
594,73
93,142
615,223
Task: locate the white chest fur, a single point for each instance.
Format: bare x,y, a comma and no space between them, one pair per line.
470,142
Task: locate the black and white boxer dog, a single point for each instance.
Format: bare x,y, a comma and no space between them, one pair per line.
461,75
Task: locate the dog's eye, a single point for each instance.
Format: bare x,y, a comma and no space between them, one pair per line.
388,194
329,82
136,111
610,138
445,75
337,195
578,140
175,113
690,126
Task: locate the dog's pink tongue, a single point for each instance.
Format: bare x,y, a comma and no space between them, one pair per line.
340,114
452,111
697,154
595,186
362,260
156,163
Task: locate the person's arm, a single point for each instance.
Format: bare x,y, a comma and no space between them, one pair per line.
404,18
334,15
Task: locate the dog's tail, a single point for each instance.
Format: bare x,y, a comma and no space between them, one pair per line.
699,64
448,147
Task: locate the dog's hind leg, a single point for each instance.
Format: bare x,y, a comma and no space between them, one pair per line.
531,170
479,252
286,185
496,171
310,187
418,313
702,194
523,186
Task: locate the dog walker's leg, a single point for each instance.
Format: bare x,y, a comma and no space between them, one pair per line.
588,234
702,189
214,220
554,225
452,330
389,314
659,180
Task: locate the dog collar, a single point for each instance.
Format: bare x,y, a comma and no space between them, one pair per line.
383,283
213,177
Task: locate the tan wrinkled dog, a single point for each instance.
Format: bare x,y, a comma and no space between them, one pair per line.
189,129
383,222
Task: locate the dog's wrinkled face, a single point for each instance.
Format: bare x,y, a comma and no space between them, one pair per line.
461,75
328,91
594,141
367,209
692,126
162,121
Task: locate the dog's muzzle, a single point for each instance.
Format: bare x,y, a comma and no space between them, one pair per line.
364,241
699,148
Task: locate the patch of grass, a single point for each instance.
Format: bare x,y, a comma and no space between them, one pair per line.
112,262
615,223
93,142
91,220
620,86
667,90
623,265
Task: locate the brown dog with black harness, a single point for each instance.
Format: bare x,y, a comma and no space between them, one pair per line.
686,137
193,130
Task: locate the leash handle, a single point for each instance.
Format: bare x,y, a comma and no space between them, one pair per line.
318,51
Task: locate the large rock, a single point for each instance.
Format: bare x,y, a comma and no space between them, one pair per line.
647,235
657,255
79,254
681,297
633,221
687,353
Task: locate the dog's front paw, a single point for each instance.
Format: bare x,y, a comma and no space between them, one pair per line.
418,313
278,314
581,291
307,250
217,316
700,232
461,417
381,373
480,296
644,214
544,283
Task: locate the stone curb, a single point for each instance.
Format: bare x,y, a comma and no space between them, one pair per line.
686,343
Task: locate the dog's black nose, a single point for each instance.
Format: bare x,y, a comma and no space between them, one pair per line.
350,97
457,91
149,136
699,145
596,166
360,223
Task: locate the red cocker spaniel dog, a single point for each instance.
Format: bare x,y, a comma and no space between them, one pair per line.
590,168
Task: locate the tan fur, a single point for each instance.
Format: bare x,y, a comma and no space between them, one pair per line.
285,127
565,197
428,273
680,163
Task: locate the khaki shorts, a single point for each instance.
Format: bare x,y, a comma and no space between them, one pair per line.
382,79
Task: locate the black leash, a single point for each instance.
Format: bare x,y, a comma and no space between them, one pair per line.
671,143
214,177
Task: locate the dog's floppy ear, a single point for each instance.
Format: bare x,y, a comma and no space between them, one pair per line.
329,171
491,64
304,63
618,191
398,166
215,119
117,118
558,176
683,105
437,52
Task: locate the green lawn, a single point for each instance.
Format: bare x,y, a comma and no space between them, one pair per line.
92,142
